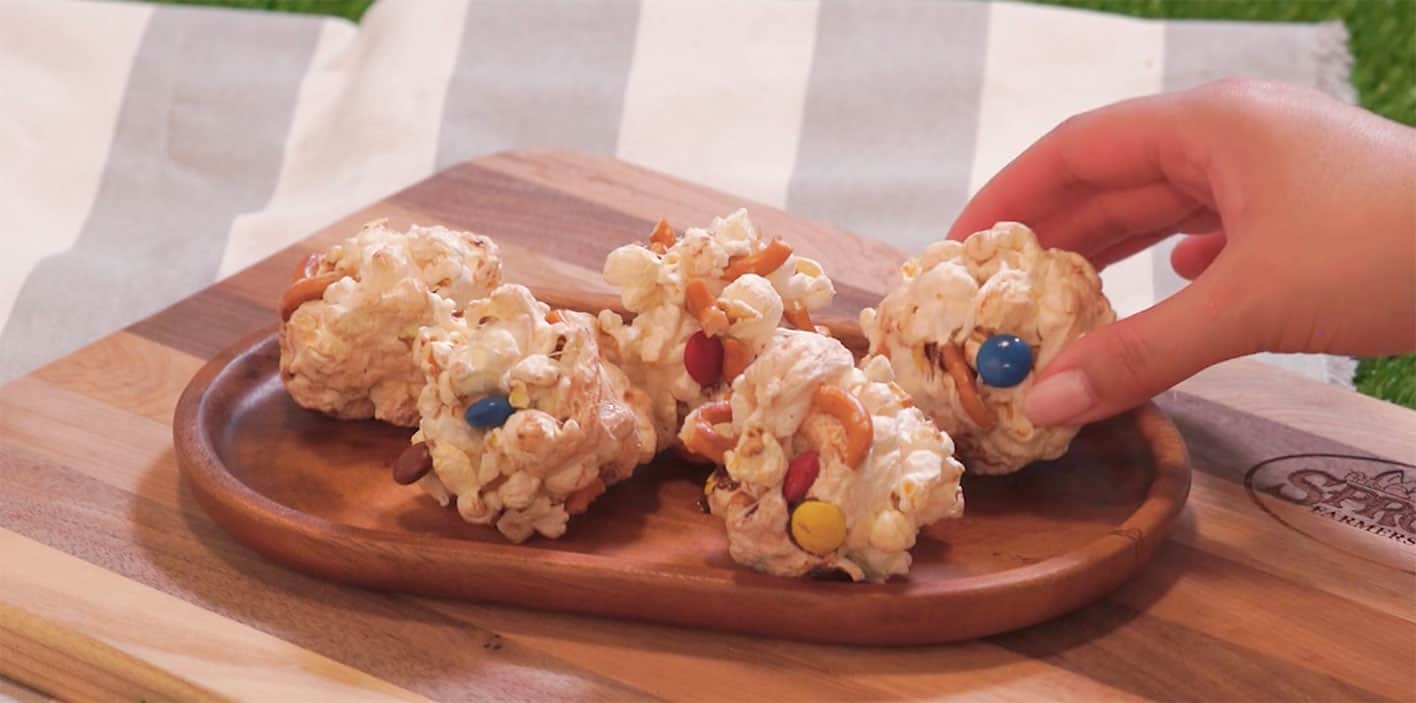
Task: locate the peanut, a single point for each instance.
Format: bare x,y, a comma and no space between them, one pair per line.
414,463
662,237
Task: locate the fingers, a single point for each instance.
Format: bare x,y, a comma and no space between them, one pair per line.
1202,220
1126,248
1193,254
1101,220
1128,145
1121,365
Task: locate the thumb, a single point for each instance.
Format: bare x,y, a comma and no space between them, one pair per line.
1121,365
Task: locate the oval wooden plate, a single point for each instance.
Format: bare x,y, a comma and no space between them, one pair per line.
316,494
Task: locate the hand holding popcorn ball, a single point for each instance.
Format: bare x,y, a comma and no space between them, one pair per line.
705,306
349,318
523,423
825,469
967,325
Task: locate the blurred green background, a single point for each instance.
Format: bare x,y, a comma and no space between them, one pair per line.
1382,36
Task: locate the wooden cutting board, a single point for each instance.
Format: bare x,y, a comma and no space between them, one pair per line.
1259,595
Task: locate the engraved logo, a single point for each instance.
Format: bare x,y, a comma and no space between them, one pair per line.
1363,505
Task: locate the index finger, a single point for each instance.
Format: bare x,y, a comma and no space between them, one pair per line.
1129,144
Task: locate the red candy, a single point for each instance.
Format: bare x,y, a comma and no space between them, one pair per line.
703,357
801,473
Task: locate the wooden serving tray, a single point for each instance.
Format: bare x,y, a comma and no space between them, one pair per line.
316,494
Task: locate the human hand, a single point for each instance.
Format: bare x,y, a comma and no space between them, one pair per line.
1304,214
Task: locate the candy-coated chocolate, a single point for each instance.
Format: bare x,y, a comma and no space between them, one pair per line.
703,358
801,473
489,412
818,527
1003,361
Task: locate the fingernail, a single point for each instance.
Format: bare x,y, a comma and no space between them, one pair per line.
1059,398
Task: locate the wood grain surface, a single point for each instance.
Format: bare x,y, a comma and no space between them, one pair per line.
316,494
1256,597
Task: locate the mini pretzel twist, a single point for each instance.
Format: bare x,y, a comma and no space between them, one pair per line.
704,440
662,237
303,291
860,430
703,305
761,262
958,368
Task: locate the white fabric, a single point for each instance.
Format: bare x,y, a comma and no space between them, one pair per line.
728,94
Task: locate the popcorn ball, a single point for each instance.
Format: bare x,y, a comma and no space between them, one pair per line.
825,469
349,319
968,324
522,423
705,304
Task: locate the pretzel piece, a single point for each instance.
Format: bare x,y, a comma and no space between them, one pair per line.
736,356
761,262
704,439
704,307
958,368
307,268
303,291
846,408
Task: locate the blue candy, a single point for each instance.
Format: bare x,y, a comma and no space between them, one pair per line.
491,411
1003,361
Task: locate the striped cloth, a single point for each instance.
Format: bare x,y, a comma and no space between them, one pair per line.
150,151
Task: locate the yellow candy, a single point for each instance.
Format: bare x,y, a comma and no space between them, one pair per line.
711,484
519,397
818,527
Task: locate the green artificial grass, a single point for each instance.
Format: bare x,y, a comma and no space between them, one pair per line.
348,9
1382,38
1381,35
1391,378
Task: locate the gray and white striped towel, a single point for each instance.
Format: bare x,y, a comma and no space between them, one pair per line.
146,152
